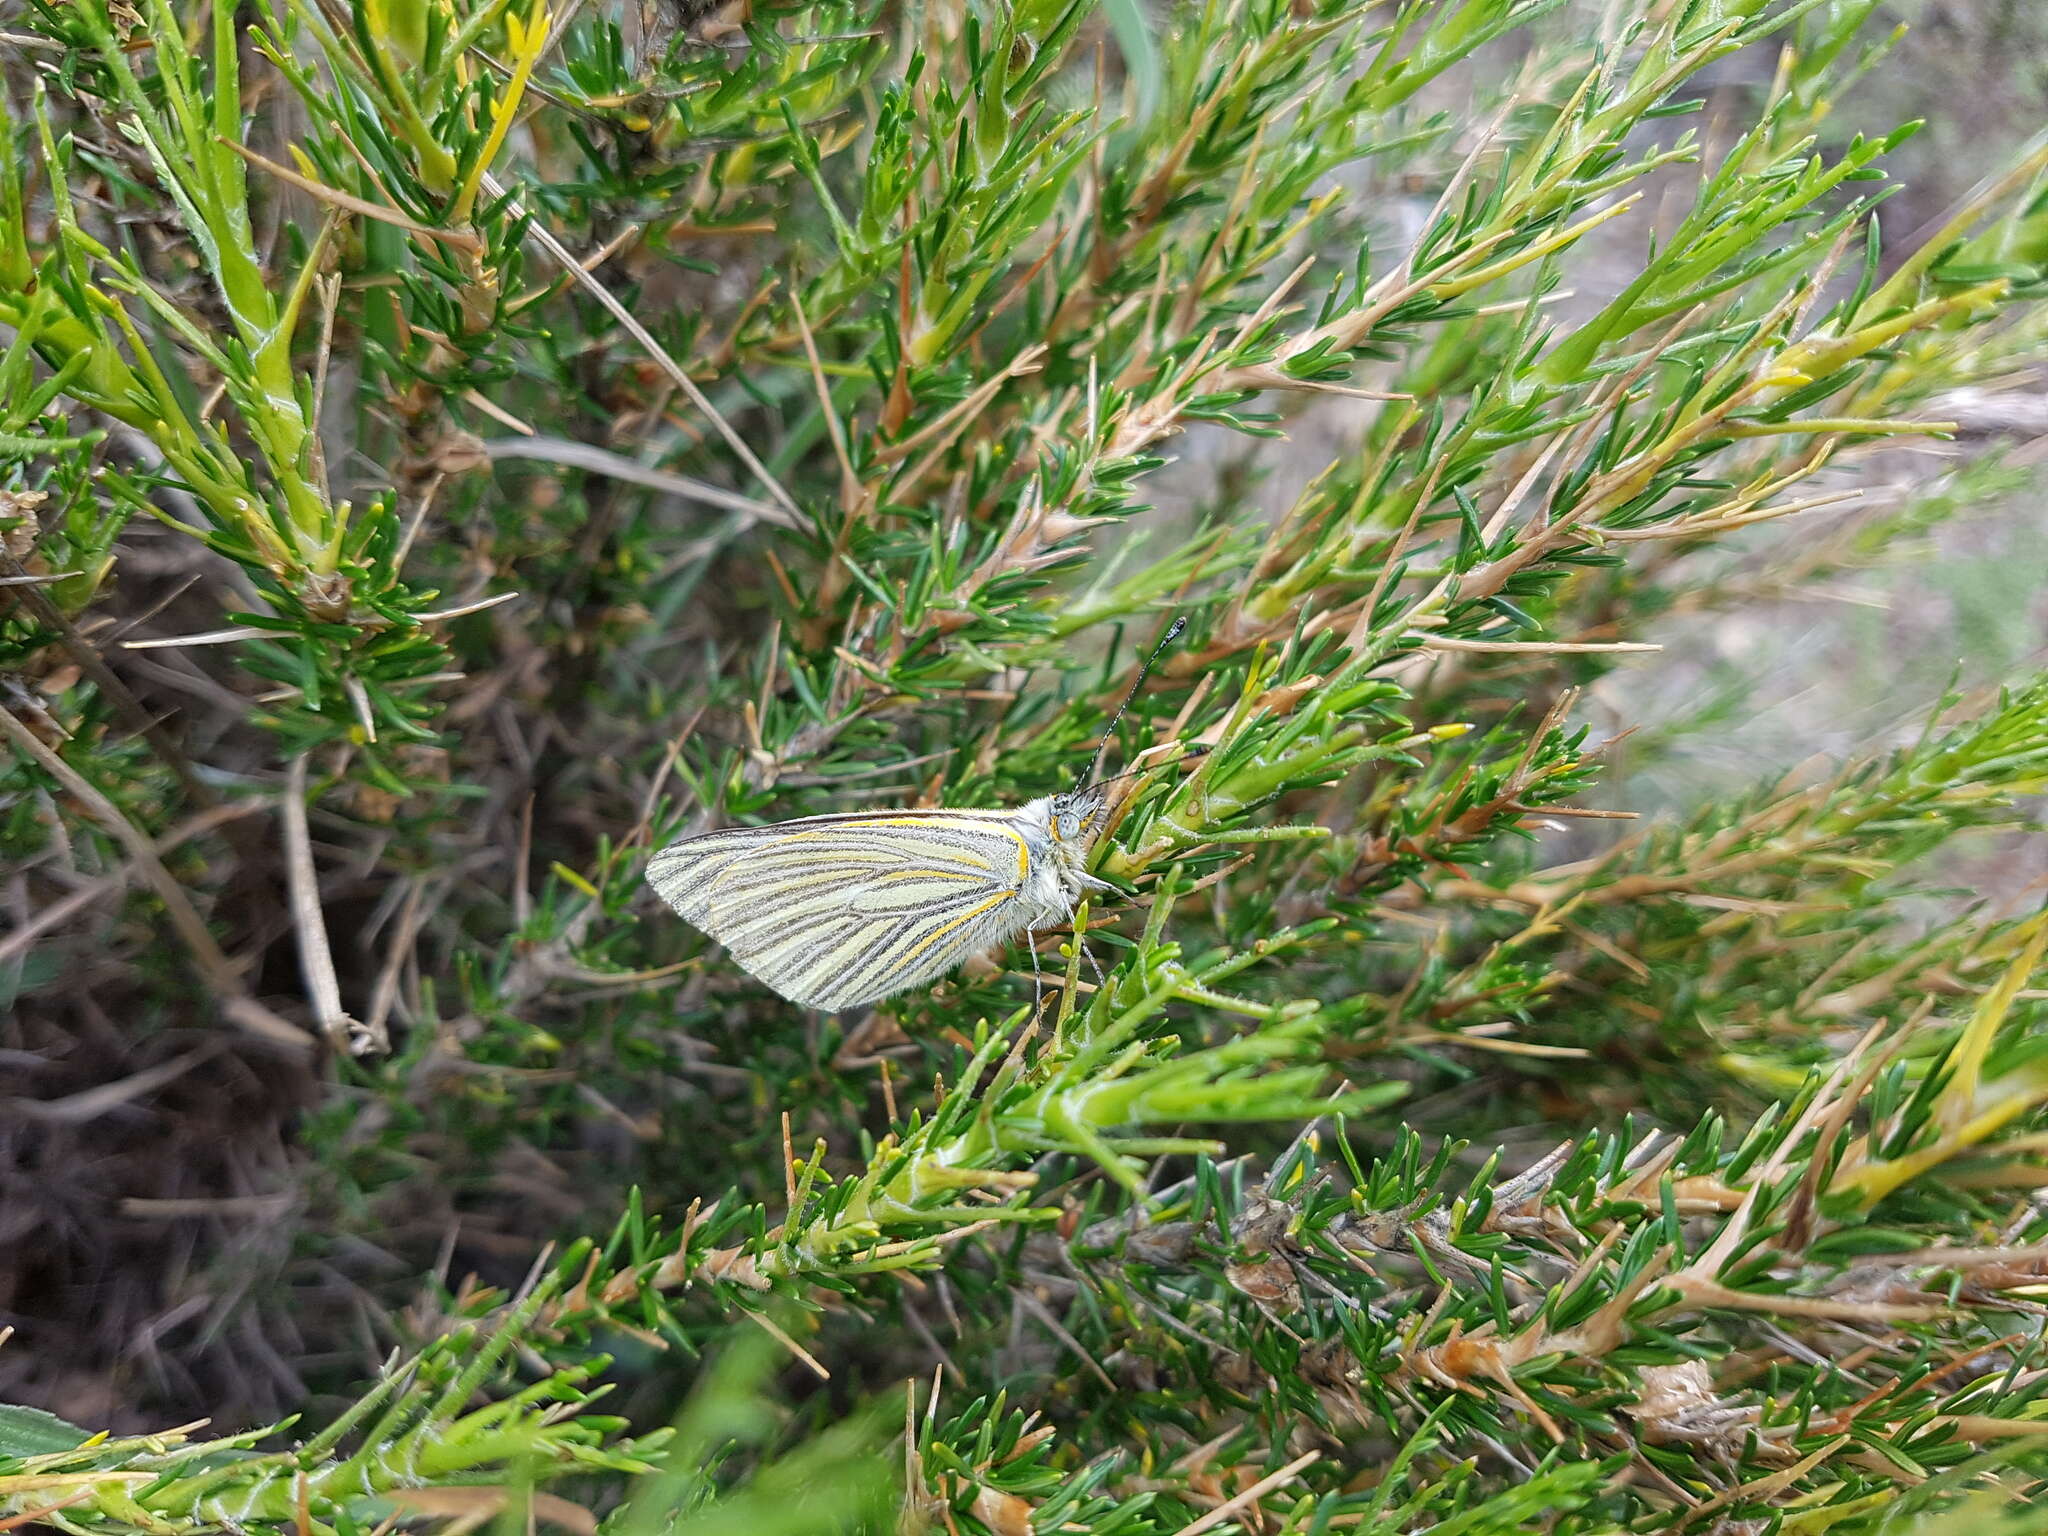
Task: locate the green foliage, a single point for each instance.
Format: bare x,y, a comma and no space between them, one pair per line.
494,442
411,1430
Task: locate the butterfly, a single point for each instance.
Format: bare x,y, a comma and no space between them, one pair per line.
834,912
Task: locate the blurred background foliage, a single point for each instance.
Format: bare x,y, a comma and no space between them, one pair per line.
1568,1055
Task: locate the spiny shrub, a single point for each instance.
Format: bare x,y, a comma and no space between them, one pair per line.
449,450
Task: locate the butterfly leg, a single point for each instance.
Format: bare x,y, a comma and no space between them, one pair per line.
1094,965
1081,940
1037,977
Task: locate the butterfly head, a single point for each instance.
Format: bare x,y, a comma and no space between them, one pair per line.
1075,817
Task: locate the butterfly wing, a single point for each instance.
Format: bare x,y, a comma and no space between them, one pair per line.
837,911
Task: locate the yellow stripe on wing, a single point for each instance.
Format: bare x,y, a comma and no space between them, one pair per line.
940,932
961,825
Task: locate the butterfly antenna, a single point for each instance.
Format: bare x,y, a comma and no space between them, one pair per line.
1109,731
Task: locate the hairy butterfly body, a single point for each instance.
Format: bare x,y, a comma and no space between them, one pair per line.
837,911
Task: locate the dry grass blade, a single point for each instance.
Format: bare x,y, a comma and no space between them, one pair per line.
678,375
602,461
459,239
1237,1504
316,958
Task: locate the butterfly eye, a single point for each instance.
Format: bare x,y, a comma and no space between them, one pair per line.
1069,824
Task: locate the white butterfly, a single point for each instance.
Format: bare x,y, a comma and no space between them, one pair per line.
837,911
